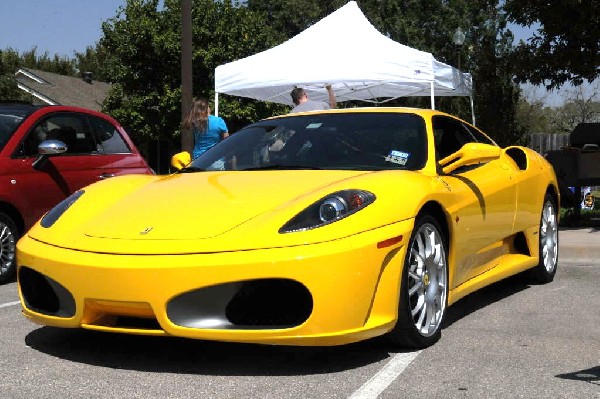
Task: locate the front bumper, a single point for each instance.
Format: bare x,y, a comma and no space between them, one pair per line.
329,293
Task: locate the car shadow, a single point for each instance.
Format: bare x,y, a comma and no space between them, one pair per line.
591,375
180,355
487,296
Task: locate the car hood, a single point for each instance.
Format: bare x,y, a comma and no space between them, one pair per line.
212,212
201,205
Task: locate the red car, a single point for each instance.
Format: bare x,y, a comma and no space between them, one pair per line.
47,153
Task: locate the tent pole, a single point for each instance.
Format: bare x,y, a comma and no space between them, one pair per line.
216,104
432,97
472,110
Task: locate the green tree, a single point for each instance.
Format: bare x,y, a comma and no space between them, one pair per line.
429,25
534,115
93,60
8,84
496,94
289,17
142,47
566,46
61,65
581,106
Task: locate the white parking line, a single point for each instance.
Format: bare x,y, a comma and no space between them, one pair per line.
7,304
380,381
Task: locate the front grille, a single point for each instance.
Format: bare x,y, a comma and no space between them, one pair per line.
138,323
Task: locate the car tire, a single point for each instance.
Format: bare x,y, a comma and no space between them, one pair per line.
548,243
424,287
8,245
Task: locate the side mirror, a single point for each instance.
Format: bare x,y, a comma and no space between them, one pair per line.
181,160
470,154
47,148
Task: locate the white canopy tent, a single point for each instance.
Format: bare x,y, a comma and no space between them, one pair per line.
346,51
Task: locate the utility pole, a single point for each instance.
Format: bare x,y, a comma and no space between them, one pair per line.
187,142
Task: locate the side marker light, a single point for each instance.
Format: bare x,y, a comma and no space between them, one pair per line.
389,242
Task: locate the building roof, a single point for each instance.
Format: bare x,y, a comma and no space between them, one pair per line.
54,89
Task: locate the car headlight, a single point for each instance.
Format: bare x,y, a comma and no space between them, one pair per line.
329,209
52,216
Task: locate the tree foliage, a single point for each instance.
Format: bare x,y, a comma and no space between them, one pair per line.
496,95
143,46
581,105
565,48
93,60
8,84
288,18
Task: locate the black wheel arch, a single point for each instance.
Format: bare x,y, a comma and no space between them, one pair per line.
553,192
436,210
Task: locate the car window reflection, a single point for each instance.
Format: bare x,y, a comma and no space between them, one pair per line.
362,141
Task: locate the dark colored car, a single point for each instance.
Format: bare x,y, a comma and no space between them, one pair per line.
47,153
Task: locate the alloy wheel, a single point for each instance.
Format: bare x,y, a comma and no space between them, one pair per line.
7,248
549,237
427,280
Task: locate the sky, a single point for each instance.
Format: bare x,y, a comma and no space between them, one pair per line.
66,26
56,26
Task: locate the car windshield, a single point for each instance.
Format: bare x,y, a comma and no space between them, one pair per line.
11,117
352,141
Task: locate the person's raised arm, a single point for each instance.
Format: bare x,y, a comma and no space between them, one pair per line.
332,100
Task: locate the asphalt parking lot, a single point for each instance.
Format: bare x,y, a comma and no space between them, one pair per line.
510,340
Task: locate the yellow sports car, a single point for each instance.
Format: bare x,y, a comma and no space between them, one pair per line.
318,228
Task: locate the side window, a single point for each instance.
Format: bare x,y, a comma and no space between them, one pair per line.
479,136
71,129
29,146
450,135
108,137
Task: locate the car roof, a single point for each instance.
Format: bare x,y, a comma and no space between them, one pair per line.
418,111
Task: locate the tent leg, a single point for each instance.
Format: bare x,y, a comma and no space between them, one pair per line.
472,110
432,97
216,104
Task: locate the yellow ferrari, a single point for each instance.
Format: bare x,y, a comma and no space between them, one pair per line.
319,228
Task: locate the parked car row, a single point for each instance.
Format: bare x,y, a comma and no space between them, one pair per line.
46,154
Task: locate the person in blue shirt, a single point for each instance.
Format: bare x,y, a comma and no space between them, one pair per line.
207,129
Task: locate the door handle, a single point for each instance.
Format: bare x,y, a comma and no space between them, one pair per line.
106,175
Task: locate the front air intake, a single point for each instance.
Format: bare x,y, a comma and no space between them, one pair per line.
272,303
44,295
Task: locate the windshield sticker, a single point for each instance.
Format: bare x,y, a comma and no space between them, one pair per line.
314,125
398,157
